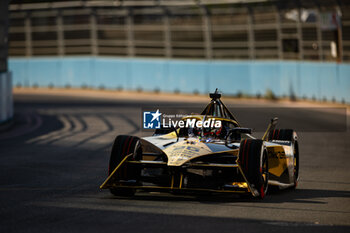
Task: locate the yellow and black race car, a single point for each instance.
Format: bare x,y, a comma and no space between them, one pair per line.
221,157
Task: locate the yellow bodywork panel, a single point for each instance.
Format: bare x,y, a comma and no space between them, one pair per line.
277,160
184,151
240,184
106,182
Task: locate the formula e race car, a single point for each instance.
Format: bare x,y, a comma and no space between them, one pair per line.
221,157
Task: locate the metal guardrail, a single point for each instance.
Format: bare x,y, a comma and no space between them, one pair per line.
126,3
172,29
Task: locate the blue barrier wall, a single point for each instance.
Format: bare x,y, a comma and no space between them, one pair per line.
302,79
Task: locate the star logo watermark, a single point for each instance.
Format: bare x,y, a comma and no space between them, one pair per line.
151,120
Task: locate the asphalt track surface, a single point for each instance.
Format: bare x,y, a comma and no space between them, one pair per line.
55,156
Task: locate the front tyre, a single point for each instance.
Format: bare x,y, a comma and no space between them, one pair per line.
122,192
296,163
253,160
124,145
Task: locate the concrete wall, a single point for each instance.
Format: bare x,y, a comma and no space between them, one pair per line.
302,79
6,102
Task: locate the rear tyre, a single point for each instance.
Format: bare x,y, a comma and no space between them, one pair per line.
281,135
289,135
124,145
254,163
296,163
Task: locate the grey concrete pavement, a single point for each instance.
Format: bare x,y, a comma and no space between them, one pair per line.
55,157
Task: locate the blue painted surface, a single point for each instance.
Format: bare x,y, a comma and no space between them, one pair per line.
146,74
230,77
302,79
75,72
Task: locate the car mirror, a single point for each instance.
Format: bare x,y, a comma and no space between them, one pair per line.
234,135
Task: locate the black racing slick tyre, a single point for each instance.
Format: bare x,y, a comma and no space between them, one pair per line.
291,136
253,160
281,135
296,163
124,145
